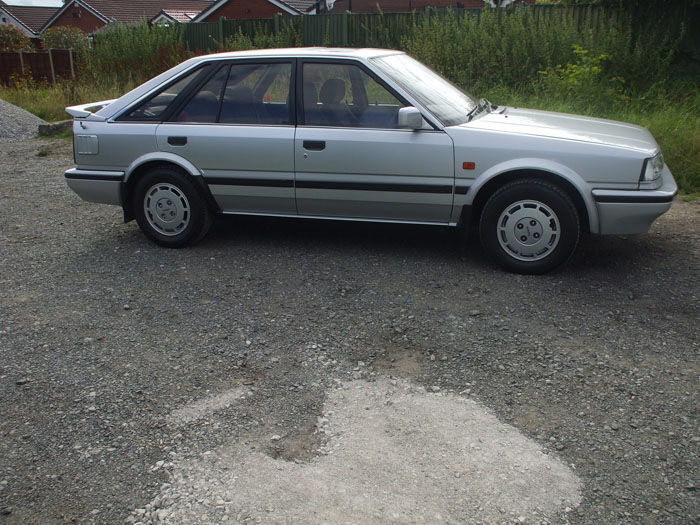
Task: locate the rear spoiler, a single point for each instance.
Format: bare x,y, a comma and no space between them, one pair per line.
87,110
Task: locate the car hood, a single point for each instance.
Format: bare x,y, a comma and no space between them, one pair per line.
568,127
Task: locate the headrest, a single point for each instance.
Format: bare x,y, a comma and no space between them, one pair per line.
333,91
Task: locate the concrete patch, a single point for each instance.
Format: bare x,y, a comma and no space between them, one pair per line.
393,454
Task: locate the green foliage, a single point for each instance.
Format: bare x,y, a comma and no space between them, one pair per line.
131,54
49,101
513,47
64,37
261,39
13,40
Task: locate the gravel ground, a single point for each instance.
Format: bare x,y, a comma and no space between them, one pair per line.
16,123
124,366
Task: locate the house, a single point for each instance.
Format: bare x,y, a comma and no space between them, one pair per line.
27,19
231,9
91,15
168,17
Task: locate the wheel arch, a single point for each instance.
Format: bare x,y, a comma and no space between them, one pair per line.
146,163
572,187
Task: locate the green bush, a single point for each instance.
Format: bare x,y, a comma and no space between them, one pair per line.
13,40
64,37
288,37
126,55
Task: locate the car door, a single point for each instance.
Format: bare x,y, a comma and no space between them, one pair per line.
351,158
238,129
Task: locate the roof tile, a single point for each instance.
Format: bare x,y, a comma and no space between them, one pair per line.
31,17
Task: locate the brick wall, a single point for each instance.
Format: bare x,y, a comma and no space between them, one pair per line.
245,9
79,17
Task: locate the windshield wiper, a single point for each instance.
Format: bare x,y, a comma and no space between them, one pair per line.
480,106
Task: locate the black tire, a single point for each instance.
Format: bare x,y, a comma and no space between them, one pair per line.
529,226
170,209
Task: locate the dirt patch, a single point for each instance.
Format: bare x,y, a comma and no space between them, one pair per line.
394,454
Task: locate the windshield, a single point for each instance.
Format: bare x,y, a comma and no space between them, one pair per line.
444,100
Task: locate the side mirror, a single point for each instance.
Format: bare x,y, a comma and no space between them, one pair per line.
410,118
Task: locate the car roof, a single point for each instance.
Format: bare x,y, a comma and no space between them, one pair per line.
302,52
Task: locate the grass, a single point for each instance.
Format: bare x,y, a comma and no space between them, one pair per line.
49,102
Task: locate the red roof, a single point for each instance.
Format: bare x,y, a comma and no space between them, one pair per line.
30,17
134,10
179,15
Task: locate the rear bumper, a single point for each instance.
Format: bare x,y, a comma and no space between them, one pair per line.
104,187
629,212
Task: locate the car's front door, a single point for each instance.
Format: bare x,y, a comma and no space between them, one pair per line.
238,129
353,161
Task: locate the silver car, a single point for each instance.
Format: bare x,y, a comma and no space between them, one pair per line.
366,135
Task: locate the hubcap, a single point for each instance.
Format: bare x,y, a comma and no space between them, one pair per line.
528,230
167,209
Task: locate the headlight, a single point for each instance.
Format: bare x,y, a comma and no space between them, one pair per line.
652,168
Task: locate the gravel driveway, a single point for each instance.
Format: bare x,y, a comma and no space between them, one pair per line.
122,365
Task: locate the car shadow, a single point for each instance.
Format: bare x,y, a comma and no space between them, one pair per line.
342,236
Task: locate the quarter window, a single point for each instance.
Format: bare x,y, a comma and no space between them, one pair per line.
155,107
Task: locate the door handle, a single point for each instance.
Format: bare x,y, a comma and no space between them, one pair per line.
177,141
315,145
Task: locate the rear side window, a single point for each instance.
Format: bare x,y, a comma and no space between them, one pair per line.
244,93
257,94
155,107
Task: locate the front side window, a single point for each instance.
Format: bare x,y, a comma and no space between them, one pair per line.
345,95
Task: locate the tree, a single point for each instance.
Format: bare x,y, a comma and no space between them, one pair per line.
13,40
64,37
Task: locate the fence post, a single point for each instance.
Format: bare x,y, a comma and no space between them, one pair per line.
428,12
221,30
53,69
277,23
344,29
70,60
21,61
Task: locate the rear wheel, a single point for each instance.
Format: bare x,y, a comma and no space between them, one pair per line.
170,209
529,226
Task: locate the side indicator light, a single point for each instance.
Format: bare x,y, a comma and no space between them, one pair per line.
468,165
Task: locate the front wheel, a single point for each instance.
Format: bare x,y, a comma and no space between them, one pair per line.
529,226
170,209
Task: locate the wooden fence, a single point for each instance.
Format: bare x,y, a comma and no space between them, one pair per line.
45,66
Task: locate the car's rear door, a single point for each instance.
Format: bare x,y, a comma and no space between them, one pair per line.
352,160
238,129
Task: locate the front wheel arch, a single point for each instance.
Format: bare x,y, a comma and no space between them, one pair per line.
490,187
529,226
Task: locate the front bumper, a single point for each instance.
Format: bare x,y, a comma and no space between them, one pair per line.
624,212
104,187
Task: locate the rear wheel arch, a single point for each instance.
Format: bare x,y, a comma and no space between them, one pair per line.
138,172
169,206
